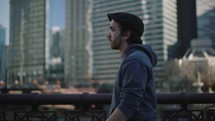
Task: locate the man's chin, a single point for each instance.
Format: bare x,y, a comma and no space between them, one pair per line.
114,48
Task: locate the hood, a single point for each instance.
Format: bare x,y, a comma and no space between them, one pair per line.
144,48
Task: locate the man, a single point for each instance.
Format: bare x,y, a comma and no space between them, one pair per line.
134,95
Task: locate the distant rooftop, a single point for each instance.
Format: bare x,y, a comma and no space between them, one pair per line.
200,49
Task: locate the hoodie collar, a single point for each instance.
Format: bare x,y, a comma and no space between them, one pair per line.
144,48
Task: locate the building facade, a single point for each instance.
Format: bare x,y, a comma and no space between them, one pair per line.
27,40
56,61
2,47
187,25
78,53
160,18
205,11
4,63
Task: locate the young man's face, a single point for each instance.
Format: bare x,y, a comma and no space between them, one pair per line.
114,35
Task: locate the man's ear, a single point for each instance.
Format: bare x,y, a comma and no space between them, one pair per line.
127,34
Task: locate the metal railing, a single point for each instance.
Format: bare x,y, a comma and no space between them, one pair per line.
32,107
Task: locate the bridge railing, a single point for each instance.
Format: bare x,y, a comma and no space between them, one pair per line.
43,107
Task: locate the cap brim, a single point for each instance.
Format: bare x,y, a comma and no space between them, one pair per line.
110,16
115,17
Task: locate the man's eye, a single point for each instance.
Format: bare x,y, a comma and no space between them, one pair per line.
111,30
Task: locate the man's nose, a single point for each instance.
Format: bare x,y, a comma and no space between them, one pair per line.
108,35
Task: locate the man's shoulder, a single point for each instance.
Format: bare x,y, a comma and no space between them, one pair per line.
136,55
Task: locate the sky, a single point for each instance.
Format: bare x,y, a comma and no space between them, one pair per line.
57,13
4,17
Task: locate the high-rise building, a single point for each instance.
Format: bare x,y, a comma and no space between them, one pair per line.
4,63
2,45
56,52
160,19
205,11
27,40
56,43
78,53
55,40
187,25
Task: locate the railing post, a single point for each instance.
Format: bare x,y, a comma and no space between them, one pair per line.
4,90
184,100
34,103
26,91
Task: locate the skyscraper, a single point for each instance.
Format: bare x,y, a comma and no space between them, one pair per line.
56,52
78,54
4,63
56,43
205,11
2,46
27,40
187,25
160,19
55,26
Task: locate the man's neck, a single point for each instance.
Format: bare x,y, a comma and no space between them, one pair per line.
123,48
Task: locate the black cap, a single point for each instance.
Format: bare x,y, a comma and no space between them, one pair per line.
132,21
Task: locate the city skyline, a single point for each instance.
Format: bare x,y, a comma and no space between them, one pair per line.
161,24
56,17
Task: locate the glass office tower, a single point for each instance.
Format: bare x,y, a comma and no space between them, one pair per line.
27,40
205,10
78,53
2,47
160,18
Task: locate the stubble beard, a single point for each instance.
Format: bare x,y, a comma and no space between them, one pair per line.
115,45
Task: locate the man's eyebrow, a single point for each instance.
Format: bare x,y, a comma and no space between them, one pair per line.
111,27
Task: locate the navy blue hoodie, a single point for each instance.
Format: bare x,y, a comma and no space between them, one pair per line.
135,92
